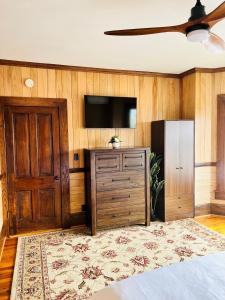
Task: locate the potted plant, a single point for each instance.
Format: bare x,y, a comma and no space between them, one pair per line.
115,141
155,183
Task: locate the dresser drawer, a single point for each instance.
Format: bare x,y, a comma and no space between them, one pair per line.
121,198
120,180
179,207
133,161
121,216
107,163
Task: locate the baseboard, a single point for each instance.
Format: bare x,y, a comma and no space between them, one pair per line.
78,218
202,210
218,208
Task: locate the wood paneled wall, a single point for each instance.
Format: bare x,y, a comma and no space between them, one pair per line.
199,101
158,98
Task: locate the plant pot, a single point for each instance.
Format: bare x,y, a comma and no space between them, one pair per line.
116,145
153,217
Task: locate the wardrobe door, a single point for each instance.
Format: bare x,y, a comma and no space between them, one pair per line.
171,159
186,165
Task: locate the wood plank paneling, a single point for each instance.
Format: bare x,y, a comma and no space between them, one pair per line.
76,192
188,90
158,98
205,184
200,91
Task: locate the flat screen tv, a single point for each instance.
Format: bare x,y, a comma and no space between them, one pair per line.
110,112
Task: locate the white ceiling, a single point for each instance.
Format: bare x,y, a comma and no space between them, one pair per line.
70,32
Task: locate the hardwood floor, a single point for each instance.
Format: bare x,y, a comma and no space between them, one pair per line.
6,268
216,223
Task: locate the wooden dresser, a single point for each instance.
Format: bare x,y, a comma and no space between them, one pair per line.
117,187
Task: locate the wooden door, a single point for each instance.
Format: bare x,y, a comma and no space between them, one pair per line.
171,158
186,169
186,157
33,163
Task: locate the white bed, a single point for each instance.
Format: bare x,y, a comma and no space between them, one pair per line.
202,278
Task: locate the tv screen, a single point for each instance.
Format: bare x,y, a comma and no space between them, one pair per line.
110,112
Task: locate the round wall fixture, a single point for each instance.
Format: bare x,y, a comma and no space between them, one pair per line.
29,83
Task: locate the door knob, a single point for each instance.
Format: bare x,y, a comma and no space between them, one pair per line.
56,178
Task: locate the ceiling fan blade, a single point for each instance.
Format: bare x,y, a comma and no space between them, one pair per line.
215,16
211,19
214,44
144,31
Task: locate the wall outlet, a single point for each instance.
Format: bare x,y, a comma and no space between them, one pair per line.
76,156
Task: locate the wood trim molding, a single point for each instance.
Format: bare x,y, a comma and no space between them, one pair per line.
220,173
202,210
218,209
77,170
78,218
16,63
5,228
29,101
84,69
2,240
202,70
206,164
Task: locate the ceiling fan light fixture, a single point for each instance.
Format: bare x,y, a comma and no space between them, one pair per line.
198,36
197,29
214,44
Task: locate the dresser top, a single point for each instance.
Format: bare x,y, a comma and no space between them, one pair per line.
119,149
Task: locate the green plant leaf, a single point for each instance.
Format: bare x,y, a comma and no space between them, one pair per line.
155,183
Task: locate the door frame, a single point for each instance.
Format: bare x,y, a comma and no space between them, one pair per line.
220,187
61,104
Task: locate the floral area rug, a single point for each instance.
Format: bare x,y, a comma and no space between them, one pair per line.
69,265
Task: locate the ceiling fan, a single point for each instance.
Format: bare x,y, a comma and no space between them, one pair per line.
197,29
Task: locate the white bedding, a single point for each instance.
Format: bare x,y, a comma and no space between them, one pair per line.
202,278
